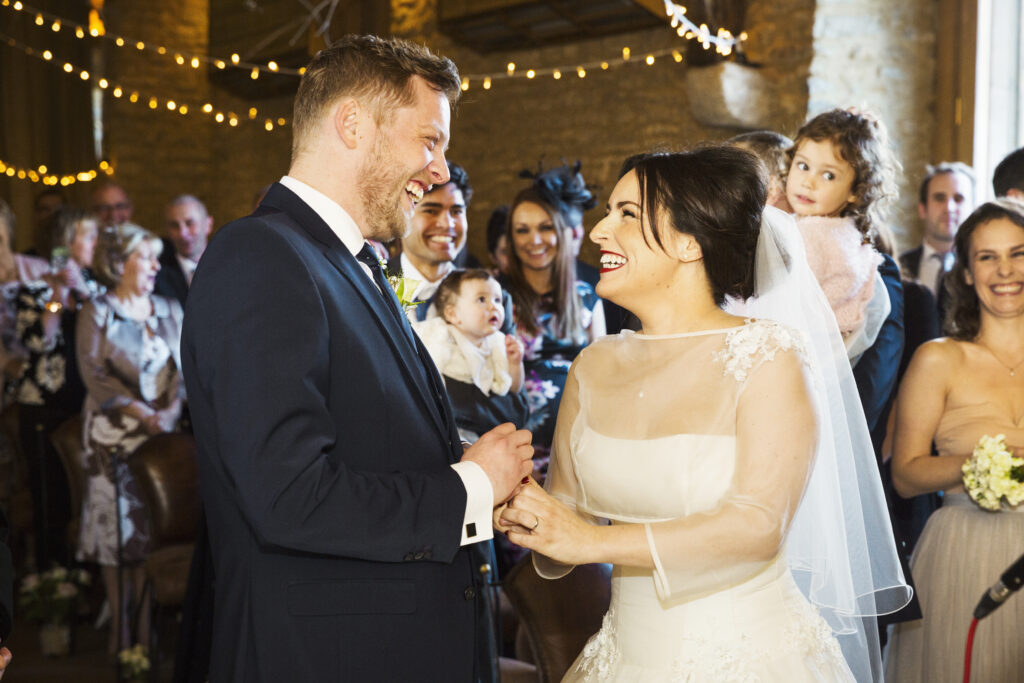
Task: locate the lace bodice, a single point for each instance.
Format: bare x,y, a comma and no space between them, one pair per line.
706,437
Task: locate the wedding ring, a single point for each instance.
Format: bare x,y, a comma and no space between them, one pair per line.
535,525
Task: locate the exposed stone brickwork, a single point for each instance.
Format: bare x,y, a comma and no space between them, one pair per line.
881,55
807,50
162,154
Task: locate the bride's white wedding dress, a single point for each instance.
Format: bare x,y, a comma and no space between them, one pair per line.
706,439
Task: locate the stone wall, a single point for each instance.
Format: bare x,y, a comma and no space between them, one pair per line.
160,154
604,117
881,55
814,54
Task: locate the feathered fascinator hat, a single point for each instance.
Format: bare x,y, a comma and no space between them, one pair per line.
564,188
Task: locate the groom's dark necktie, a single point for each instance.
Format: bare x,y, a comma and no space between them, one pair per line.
368,257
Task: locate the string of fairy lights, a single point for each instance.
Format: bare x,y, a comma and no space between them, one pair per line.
97,30
41,174
723,41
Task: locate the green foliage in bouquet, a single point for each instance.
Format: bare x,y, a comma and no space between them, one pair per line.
51,597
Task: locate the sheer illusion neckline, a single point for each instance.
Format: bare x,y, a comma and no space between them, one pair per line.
683,335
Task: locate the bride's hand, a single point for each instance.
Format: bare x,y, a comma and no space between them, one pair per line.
537,521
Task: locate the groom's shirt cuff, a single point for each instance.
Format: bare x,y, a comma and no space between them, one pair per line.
476,526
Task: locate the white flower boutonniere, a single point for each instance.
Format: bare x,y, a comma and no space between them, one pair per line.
992,474
404,288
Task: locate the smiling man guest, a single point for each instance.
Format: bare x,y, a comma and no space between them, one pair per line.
343,551
434,242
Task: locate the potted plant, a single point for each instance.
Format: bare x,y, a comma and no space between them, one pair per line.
51,600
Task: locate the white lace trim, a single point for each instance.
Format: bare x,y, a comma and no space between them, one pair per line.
735,661
601,654
743,346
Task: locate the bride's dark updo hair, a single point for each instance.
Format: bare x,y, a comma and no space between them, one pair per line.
717,195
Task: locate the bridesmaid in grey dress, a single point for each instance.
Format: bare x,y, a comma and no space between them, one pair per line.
956,390
127,342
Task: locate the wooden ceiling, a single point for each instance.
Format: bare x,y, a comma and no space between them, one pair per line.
494,25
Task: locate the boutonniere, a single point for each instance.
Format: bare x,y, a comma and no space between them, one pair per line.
403,287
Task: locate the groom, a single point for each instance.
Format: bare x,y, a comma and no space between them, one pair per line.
342,510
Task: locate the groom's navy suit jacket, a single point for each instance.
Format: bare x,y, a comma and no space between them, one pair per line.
324,455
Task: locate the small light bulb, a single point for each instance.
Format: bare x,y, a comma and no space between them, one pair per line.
557,74
195,62
465,84
511,68
255,73
172,105
269,125
531,73
487,83
234,58
140,46
625,53
649,60
272,65
219,118
103,83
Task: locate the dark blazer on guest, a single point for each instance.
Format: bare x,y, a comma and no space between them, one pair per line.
910,262
171,281
325,445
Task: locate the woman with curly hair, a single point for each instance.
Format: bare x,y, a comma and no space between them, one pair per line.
840,183
556,315
956,390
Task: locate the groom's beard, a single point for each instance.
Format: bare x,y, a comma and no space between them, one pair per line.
382,191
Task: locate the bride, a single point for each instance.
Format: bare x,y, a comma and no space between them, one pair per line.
715,444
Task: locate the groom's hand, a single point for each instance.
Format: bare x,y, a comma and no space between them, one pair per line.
505,455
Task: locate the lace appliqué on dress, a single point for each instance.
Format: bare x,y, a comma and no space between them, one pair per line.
807,637
600,654
743,346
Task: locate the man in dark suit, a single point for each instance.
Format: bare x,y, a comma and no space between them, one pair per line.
188,225
435,242
341,506
946,199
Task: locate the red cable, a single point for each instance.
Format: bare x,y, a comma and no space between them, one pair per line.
970,647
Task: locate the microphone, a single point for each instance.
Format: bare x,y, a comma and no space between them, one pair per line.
1010,581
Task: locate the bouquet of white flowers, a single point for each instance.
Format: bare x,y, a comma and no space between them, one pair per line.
51,597
992,474
134,663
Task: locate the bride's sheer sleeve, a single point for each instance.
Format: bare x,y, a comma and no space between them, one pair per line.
776,435
562,481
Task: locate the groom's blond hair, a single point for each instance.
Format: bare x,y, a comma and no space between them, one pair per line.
376,71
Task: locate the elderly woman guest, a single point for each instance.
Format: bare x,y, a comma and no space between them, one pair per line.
51,389
128,342
556,314
15,270
956,390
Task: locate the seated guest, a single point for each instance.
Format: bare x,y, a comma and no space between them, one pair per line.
188,227
51,389
15,271
556,314
956,390
482,368
1008,178
128,341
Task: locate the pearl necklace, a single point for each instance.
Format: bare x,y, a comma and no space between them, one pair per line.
1000,360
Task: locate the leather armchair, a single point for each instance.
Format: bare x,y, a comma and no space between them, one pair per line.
556,617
